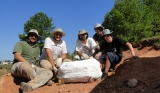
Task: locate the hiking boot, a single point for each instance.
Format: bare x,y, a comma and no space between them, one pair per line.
49,83
104,75
25,87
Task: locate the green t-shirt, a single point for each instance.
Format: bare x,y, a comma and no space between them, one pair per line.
28,52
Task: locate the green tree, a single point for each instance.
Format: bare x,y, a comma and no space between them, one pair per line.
41,23
153,7
128,20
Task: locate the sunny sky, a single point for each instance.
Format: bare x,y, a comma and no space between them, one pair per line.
70,15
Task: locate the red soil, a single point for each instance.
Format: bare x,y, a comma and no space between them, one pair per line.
145,69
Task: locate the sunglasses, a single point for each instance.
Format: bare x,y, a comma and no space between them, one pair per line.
33,35
58,34
108,35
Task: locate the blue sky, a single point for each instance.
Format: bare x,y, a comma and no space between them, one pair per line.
70,15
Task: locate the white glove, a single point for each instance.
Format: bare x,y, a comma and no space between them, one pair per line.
85,56
58,62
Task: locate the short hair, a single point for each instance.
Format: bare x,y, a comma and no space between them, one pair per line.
99,28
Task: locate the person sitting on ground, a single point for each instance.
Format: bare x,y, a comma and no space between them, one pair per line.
98,35
26,53
111,51
54,51
85,46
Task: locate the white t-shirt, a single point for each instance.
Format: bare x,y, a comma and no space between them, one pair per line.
87,48
56,48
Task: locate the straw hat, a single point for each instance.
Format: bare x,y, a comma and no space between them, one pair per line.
58,30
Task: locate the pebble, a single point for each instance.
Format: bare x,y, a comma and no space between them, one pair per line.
132,82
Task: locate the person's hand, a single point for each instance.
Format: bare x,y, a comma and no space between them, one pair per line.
135,57
33,66
55,69
97,56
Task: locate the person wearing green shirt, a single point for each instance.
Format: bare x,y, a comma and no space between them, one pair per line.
26,53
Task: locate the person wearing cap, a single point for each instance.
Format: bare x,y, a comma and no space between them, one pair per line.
54,51
85,46
111,51
26,53
98,35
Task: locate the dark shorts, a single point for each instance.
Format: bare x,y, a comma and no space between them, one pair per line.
113,58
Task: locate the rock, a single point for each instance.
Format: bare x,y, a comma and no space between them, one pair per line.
132,83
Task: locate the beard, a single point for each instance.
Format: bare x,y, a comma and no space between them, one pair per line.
56,40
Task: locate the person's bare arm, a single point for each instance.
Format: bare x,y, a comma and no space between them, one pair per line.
63,56
98,47
50,56
19,58
131,49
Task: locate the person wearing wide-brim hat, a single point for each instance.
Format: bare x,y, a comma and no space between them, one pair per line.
58,30
111,51
98,28
33,32
53,48
85,46
26,53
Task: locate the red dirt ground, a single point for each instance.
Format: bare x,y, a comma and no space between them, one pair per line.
145,69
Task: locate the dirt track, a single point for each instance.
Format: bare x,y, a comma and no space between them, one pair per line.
145,70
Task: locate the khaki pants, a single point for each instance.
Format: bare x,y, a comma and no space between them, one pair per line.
47,65
83,57
37,76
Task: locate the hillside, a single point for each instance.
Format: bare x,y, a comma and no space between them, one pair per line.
145,69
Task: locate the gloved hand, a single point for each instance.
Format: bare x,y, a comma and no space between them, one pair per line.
58,62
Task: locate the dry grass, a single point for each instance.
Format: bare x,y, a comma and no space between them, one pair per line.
4,69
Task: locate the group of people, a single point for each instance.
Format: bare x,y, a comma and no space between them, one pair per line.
103,47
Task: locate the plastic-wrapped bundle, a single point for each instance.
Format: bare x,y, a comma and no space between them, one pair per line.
80,71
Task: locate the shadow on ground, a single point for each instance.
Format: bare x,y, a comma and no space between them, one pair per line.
145,70
18,80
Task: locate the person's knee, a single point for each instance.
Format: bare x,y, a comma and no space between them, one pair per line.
85,56
58,62
25,67
67,60
50,73
45,64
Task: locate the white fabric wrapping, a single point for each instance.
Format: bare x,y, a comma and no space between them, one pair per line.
80,71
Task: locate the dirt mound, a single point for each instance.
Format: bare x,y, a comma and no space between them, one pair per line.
145,70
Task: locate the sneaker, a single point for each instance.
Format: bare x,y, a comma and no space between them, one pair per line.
49,83
25,87
112,68
104,75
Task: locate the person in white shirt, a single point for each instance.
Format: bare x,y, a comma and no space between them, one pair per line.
54,51
85,46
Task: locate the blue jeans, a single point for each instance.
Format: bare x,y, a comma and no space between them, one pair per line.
113,58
